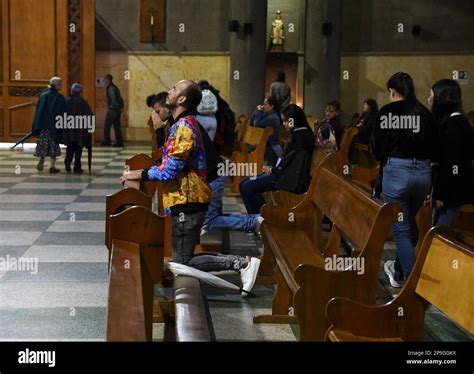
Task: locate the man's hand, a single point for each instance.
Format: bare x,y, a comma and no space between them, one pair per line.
437,204
157,122
267,170
133,175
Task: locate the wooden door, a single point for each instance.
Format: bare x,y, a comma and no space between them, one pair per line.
42,39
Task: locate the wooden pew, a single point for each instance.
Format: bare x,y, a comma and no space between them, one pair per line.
304,283
141,226
120,201
130,300
253,152
442,276
463,225
142,161
192,320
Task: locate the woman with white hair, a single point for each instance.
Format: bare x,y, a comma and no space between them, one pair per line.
51,104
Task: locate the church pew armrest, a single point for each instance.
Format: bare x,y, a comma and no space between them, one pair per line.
287,199
297,216
376,321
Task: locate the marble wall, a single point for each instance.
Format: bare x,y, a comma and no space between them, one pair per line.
368,75
139,75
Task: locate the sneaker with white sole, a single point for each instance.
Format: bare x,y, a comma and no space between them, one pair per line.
249,275
389,268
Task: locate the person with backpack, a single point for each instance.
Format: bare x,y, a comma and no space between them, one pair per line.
207,110
225,117
115,105
405,137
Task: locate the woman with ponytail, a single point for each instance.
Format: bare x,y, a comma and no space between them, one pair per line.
405,141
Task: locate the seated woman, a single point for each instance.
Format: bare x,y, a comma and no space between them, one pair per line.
366,122
301,138
265,116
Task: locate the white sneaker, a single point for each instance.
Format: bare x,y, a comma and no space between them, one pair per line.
249,275
389,268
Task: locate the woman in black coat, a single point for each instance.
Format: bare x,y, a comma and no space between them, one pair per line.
453,184
80,135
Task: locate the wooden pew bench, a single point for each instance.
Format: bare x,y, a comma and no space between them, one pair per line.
308,273
191,314
252,152
442,276
130,301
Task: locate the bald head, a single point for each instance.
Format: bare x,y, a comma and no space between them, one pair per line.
185,95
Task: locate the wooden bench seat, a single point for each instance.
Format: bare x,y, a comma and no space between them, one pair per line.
252,151
293,238
192,322
130,300
443,276
120,201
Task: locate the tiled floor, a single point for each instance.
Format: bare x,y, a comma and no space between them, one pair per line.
58,221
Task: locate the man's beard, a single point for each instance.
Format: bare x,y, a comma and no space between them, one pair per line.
171,106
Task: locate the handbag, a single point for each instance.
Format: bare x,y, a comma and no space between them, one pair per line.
293,173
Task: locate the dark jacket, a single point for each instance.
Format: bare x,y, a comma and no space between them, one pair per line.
78,107
301,138
114,98
282,93
454,181
264,120
404,143
50,105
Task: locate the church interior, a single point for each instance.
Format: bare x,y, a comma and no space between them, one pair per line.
322,222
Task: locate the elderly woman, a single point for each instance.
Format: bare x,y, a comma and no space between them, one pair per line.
50,105
80,136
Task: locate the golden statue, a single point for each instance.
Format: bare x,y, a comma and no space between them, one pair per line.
277,34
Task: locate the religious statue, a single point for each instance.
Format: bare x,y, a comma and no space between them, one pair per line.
277,34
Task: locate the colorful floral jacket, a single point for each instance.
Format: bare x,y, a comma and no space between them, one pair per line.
183,167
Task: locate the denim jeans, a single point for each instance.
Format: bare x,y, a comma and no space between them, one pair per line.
445,216
215,219
406,182
186,230
252,190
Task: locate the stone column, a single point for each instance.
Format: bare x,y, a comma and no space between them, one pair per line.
247,56
322,55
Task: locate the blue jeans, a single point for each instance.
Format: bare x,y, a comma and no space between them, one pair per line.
406,182
215,219
251,191
445,216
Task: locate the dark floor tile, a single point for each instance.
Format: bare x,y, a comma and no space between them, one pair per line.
24,226
62,272
82,216
53,323
39,191
32,206
12,250
68,238
90,199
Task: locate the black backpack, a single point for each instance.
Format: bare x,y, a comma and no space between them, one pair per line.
293,173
